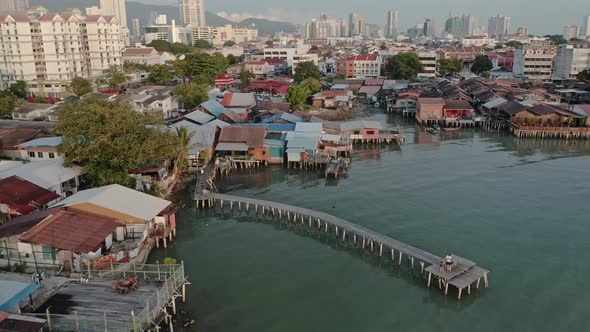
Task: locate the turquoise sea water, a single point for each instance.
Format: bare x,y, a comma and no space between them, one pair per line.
519,209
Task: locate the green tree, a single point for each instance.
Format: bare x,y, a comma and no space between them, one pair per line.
557,39
312,85
514,44
40,100
449,66
306,69
245,77
201,43
160,74
80,86
19,89
184,146
485,74
482,63
130,67
297,96
115,77
269,43
404,66
229,43
584,75
160,45
7,103
110,138
179,48
314,48
190,95
383,47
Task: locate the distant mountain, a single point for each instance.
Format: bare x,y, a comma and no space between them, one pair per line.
146,13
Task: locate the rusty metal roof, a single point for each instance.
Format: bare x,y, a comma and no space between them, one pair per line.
22,196
251,136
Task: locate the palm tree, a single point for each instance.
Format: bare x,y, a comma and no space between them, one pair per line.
184,146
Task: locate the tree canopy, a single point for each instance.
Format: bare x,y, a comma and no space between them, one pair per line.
306,69
312,85
245,77
229,43
190,94
557,39
297,96
404,66
8,103
449,66
160,74
201,67
19,89
160,45
584,75
110,138
482,63
115,77
80,86
201,43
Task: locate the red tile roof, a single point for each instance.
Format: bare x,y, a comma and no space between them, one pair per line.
76,231
431,101
364,57
16,17
22,196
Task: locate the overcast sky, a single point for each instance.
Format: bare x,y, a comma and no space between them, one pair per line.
540,16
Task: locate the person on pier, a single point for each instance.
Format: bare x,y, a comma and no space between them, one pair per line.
449,261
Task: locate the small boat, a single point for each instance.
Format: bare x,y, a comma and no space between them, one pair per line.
435,127
432,130
452,130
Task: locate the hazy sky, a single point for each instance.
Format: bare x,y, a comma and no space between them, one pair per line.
541,16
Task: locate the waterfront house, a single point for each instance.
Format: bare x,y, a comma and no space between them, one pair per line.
225,80
41,149
243,141
11,138
203,140
240,103
491,106
332,99
283,118
19,197
198,117
429,110
458,112
303,143
50,174
211,107
583,111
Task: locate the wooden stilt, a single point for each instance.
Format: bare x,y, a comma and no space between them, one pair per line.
485,279
400,258
421,267
380,249
446,287
460,290
469,289
478,280
429,277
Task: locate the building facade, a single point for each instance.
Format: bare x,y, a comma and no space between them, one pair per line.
535,60
13,6
219,35
498,26
460,26
48,50
192,12
391,29
585,30
571,59
428,59
570,32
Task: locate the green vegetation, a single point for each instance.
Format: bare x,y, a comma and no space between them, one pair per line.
201,43
584,75
80,86
184,146
306,69
556,39
514,44
485,74
481,64
115,77
200,67
314,48
297,96
245,77
108,139
165,46
169,261
8,103
229,43
19,89
449,66
312,85
190,94
404,66
160,74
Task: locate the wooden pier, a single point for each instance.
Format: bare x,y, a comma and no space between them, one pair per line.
336,167
464,275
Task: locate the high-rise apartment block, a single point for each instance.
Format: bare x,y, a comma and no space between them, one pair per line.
570,32
535,60
13,6
47,50
460,26
192,12
391,30
571,59
498,26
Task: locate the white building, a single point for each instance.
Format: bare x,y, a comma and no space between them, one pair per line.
43,148
219,35
192,12
47,50
570,32
292,54
115,8
498,26
142,55
428,60
391,29
50,174
13,6
477,41
585,30
535,60
571,59
171,33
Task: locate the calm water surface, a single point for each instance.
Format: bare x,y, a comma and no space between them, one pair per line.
519,209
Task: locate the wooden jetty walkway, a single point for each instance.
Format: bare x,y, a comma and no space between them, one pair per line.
464,274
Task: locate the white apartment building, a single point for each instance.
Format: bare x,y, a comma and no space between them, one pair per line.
571,59
13,6
48,50
570,32
498,26
585,30
219,35
391,29
171,33
293,54
192,12
535,60
428,61
142,55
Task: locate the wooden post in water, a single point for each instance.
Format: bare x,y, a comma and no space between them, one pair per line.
421,267
429,277
363,242
380,249
400,258
354,239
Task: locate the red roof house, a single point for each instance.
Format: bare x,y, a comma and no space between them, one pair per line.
19,197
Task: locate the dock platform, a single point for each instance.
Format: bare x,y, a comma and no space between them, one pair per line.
463,276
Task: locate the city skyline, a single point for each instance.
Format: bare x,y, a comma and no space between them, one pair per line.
529,13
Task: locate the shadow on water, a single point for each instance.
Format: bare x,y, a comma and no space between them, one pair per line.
385,263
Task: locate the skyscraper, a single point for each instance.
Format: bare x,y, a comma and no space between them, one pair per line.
136,27
13,6
392,23
429,29
460,26
585,30
115,8
498,26
192,12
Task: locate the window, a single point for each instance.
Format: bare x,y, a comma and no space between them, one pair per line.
40,154
31,154
51,155
370,132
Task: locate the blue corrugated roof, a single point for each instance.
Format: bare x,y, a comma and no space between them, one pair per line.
272,127
213,107
13,292
285,116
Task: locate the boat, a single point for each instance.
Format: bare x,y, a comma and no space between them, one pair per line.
432,130
435,127
452,130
